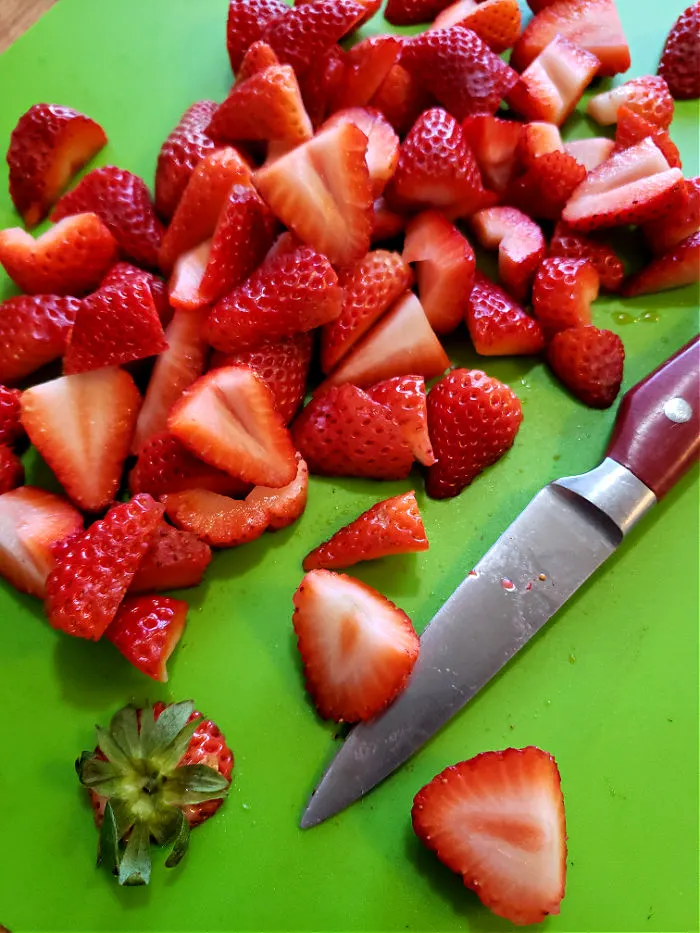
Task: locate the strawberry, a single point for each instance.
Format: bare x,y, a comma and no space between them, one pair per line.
547,185
571,245
125,273
538,138
123,203
563,292
410,12
679,266
217,520
444,268
146,629
283,365
320,83
94,568
114,325
594,25
521,246
494,143
382,143
386,224
331,209
257,58
185,283
174,560
591,152
246,23
459,69
497,22
11,429
68,259
473,420
11,470
648,96
31,522
370,7
358,649
48,146
554,82
437,169
633,186
184,148
369,288
537,5
662,234
165,465
589,362
393,526
82,426
283,506
633,128
33,332
404,396
366,65
498,821
228,419
497,325
401,98
680,59
343,432
304,33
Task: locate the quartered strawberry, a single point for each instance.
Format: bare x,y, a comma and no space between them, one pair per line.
146,629
123,203
648,96
546,187
633,128
125,273
115,325
497,325
257,58
382,143
33,332
184,148
386,224
661,235
590,152
215,519
393,526
357,647
11,429
680,59
31,522
366,65
369,287
444,264
563,292
246,23
473,420
70,258
285,505
94,568
589,362
594,25
494,143
304,33
48,146
410,12
498,821
571,245
520,243
174,560
82,426
344,432
320,83
538,138
11,470
185,282
497,22
401,98
405,398
673,269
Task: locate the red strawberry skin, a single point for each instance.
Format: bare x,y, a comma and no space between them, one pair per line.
146,630
563,292
405,398
410,12
174,560
304,33
184,148
680,59
217,520
11,429
11,470
497,325
662,235
401,98
633,128
589,362
283,506
673,269
125,273
547,185
569,244
246,23
33,332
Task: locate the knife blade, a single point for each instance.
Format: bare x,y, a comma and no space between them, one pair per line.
560,539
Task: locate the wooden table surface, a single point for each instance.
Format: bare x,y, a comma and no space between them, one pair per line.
16,16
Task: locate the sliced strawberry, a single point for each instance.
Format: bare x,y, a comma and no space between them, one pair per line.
217,520
520,243
498,821
366,66
246,23
386,224
11,470
401,98
70,258
185,283
661,235
125,273
283,506
563,292
82,426
357,647
174,560
410,12
538,138
680,59
445,266
31,522
648,96
33,332
497,22
537,5
545,188
369,287
405,398
343,432
285,243
589,362
289,294
48,146
382,143
228,419
321,190
304,33
114,325
94,568
320,83
571,245
257,58
497,325
184,148
590,153
633,128
11,429
146,629
494,142
673,269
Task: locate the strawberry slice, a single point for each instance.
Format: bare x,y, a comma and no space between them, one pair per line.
321,190
563,292
185,283
174,560
246,23
48,146
386,224
114,325
382,143
357,647
494,143
11,470
594,25
11,429
217,520
498,821
410,12
70,258
648,96
545,188
497,325
663,234
146,629
680,59
369,288
257,58
520,243
184,148
633,128
31,522
571,245
401,98
94,568
283,506
497,22
366,66
228,419
320,83
673,269
590,153
33,332
589,362
344,432
82,426
124,273
304,33
537,139
123,203
393,526
444,268
405,398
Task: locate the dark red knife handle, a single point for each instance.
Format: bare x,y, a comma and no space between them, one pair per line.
657,432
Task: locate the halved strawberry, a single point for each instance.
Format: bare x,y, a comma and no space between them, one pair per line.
246,23
33,331
31,522
285,505
125,273
257,58
11,429
563,292
320,83
401,98
405,398
357,647
366,65
386,224
184,148
146,629
589,362
304,33
545,188
520,242
495,145
48,146
321,190
11,470
591,152
648,96
680,59
82,426
673,269
633,128
445,266
70,258
497,22
215,519
498,821
661,235
538,138
410,12
382,143
393,526
497,325
571,245
174,560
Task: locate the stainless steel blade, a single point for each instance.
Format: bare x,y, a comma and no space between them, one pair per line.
568,530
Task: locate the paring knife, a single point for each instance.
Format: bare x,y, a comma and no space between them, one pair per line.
568,530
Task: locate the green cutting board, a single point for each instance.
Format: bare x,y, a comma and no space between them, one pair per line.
610,687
